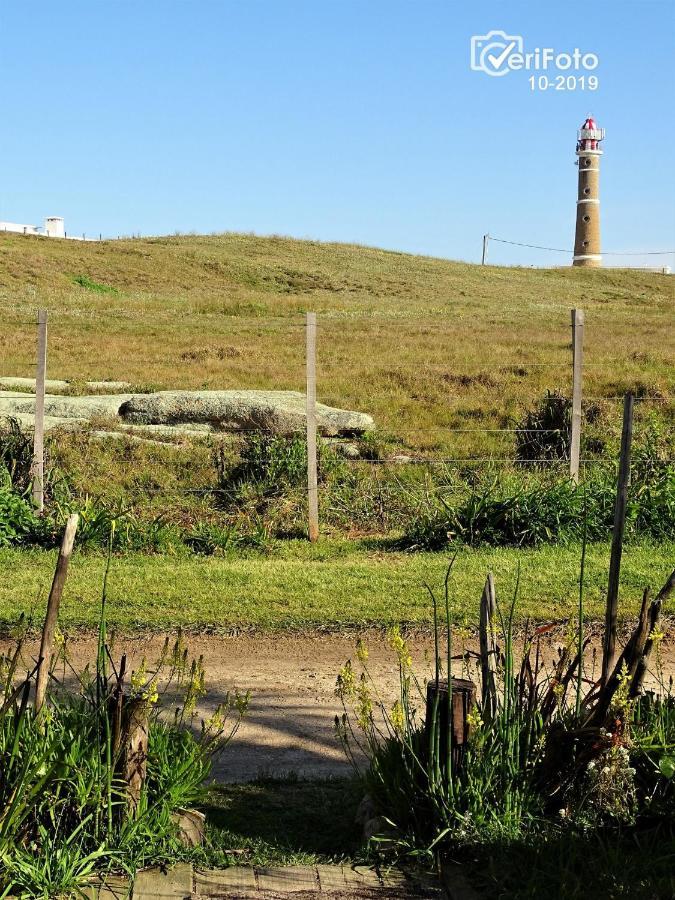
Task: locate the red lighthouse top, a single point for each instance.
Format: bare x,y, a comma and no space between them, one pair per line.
589,136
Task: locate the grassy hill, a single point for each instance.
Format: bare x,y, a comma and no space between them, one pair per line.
424,344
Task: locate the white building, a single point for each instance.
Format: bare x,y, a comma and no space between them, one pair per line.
54,227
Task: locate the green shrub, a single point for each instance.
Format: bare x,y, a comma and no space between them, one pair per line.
277,462
530,510
209,539
16,454
548,757
545,432
17,518
64,807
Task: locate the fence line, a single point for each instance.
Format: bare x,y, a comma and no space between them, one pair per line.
574,460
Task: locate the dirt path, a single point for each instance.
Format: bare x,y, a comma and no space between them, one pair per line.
290,724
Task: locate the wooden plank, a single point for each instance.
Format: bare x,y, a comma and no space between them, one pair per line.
39,429
175,882
287,879
312,476
577,378
222,882
331,879
52,615
621,503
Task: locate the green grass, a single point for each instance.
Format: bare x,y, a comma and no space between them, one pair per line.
335,583
272,822
401,336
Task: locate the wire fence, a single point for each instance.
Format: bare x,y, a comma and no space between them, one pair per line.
314,426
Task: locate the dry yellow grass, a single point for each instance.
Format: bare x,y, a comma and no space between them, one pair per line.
424,344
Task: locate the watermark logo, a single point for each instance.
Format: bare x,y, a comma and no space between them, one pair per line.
498,53
490,53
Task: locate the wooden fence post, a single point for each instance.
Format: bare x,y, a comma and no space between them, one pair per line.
312,478
488,648
623,481
39,429
53,603
577,378
486,238
134,746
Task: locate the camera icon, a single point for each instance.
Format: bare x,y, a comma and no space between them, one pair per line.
490,52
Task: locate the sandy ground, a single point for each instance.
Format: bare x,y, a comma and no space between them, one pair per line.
289,727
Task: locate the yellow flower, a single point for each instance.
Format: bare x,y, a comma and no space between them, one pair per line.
138,678
345,687
362,652
474,719
656,635
241,702
397,717
142,687
399,646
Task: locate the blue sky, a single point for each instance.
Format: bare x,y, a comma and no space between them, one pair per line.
351,121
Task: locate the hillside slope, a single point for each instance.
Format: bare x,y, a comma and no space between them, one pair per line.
423,344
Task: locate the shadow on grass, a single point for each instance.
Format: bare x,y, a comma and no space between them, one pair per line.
636,863
283,821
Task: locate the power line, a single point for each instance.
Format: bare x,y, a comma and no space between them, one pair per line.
604,252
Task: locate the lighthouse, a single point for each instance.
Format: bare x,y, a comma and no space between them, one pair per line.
587,234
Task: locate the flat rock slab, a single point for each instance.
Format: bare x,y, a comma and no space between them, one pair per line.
28,384
187,412
278,412
64,406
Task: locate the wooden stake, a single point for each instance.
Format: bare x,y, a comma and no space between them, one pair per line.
577,376
39,430
312,478
621,503
488,648
135,728
53,603
486,238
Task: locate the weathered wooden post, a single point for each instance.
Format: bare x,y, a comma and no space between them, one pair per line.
135,728
577,378
52,615
312,476
486,238
39,429
463,701
488,648
620,505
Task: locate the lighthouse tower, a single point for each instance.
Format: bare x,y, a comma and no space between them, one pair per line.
587,235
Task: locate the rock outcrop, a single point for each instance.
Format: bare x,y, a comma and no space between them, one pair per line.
188,412
277,412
